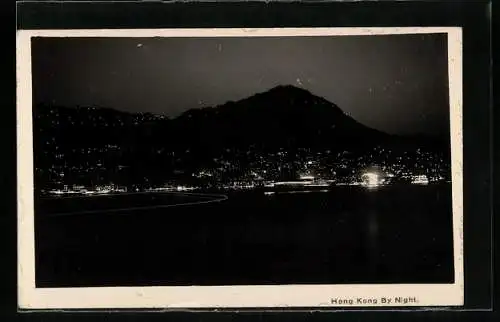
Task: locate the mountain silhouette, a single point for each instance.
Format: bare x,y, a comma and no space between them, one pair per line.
284,116
110,145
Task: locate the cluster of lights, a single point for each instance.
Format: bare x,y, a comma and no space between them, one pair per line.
371,179
420,180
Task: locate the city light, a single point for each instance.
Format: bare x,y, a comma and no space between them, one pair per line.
370,179
91,169
422,179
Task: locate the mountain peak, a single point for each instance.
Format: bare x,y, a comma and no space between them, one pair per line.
284,93
288,88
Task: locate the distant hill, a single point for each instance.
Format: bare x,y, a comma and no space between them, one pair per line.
102,144
282,117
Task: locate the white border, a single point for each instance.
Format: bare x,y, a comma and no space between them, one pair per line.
29,297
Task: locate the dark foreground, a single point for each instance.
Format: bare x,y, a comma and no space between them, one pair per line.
348,235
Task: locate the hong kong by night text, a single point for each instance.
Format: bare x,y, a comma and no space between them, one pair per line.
397,300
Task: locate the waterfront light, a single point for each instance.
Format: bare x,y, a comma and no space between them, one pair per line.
420,179
306,177
371,179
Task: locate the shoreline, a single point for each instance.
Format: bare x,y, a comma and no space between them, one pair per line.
218,192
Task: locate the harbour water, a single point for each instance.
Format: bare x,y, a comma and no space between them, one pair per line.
349,234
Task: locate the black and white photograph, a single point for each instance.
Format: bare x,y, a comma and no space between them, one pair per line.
234,168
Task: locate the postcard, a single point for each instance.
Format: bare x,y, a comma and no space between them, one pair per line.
240,168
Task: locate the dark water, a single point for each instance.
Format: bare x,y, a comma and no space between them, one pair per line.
348,235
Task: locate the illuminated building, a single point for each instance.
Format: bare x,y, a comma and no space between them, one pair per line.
371,179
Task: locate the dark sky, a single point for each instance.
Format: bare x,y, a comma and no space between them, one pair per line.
394,83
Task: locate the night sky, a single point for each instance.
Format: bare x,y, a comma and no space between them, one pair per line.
395,83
